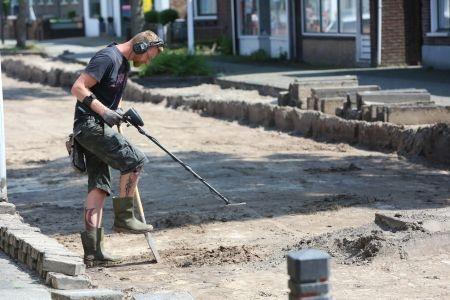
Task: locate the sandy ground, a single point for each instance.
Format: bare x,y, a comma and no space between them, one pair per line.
300,193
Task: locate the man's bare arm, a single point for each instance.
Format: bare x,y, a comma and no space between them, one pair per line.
81,89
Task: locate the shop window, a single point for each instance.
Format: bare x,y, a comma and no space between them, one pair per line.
278,18
206,8
347,22
365,16
443,15
249,14
329,16
94,9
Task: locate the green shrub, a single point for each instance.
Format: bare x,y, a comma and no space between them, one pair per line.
168,16
177,64
259,55
225,45
71,14
151,17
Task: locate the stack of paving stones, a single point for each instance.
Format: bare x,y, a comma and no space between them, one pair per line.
60,268
300,89
309,271
331,100
401,106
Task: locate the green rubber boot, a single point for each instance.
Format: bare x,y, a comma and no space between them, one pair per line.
124,219
94,254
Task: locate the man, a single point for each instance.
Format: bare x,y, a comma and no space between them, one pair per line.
99,91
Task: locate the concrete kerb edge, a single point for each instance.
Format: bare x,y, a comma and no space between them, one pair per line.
374,135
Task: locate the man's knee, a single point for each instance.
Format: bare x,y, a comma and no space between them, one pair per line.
136,170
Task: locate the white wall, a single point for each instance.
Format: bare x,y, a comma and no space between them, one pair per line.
107,8
90,25
436,56
248,44
278,46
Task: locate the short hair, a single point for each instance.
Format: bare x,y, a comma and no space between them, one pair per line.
147,36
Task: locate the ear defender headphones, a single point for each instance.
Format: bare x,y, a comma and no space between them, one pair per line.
142,47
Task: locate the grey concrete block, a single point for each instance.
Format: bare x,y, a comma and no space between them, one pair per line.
261,114
300,89
303,121
311,289
296,297
392,96
62,264
330,105
311,103
236,110
378,135
165,295
308,265
284,98
65,282
283,118
329,92
53,76
25,294
334,129
416,115
96,294
7,208
38,75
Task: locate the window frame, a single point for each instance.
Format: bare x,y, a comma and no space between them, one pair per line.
240,24
286,2
198,16
438,29
434,22
321,33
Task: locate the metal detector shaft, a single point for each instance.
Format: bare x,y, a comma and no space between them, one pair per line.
188,168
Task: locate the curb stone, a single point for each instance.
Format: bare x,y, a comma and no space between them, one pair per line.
430,141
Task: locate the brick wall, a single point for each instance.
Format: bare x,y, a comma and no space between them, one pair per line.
393,45
426,27
329,51
209,29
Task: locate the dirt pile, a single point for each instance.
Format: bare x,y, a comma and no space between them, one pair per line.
218,256
363,244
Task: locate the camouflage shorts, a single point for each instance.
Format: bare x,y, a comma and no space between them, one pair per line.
104,147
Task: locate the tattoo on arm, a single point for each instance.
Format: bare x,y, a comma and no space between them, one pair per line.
88,216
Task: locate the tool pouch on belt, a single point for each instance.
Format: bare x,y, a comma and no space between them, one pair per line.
76,154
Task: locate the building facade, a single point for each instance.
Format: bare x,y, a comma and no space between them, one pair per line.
331,32
436,33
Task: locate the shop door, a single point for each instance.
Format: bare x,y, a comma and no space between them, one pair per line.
363,31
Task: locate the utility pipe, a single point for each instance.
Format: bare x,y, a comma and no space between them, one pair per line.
3,190
380,22
233,26
190,25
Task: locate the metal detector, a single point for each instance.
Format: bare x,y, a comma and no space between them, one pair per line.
132,117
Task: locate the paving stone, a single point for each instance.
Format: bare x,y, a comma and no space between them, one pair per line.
165,295
65,282
296,297
7,208
312,289
65,265
308,265
330,105
96,294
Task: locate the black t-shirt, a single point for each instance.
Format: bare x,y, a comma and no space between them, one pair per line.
110,68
